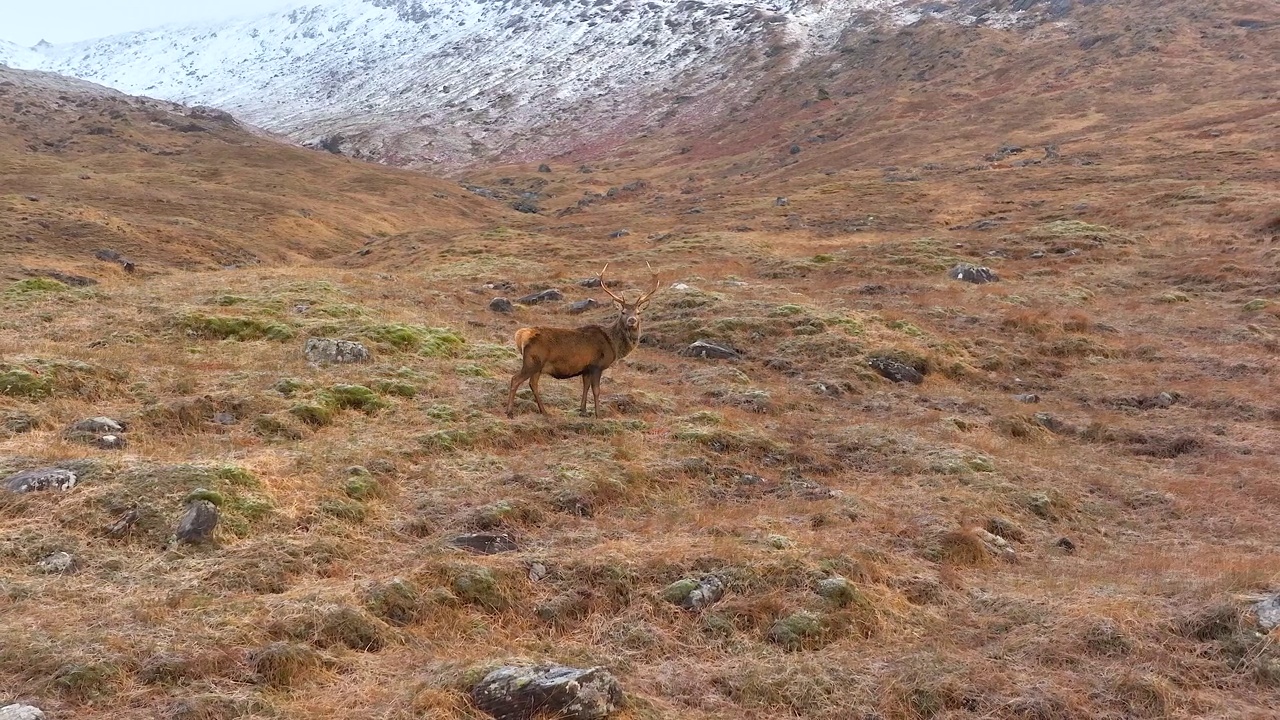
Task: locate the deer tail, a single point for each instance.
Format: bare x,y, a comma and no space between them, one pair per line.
523,336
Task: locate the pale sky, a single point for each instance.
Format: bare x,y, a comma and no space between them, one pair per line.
26,22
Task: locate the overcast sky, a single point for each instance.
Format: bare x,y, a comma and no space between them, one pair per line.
26,22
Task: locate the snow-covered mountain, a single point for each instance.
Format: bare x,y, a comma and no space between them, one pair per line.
421,82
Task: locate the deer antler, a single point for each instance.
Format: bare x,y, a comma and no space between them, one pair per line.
657,283
606,288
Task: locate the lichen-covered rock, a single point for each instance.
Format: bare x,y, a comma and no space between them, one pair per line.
48,478
328,351
101,425
694,593
972,274
501,305
797,630
21,712
1268,612
710,351
523,693
57,563
197,524
894,370
538,298
485,543
583,305
838,590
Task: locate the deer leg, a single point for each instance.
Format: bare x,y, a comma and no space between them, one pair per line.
516,379
595,391
533,385
586,384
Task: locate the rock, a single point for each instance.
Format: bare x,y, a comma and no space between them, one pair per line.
710,351
1066,544
124,523
224,418
525,206
1051,423
197,525
111,442
972,274
794,149
544,168
566,693
537,572
501,305
57,563
21,712
1006,529
485,543
838,590
1268,612
620,233
781,202
19,422
895,371
97,425
694,593
48,478
328,351
995,544
538,298
1027,398
594,282
583,305
796,630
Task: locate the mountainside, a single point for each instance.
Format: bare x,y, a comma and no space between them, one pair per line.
420,82
84,168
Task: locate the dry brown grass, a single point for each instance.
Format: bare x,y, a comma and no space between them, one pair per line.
333,590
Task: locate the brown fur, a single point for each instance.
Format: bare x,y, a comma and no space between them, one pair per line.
584,351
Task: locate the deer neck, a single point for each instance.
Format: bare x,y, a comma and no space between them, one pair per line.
622,339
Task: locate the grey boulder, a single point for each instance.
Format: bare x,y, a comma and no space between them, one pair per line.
526,692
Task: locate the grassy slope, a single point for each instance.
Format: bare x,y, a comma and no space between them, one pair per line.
1171,509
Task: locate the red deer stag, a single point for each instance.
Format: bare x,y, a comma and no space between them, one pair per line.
584,351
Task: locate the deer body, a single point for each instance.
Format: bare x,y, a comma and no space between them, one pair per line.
585,351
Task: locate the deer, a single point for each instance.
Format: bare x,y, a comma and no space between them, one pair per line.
585,351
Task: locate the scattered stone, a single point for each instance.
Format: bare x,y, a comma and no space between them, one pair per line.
1051,152
972,274
544,168
550,295
996,545
537,572
48,478
781,202
583,305
894,370
1268,612
124,523
501,305
503,285
329,351
97,425
694,593
619,233
522,693
113,256
594,282
1029,398
796,630
1006,529
1051,423
21,712
838,590
224,418
779,542
485,543
1036,255
57,563
794,149
111,442
20,422
710,351
525,206
197,525
1066,544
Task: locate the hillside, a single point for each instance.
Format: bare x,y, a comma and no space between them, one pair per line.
435,83
84,168
1065,508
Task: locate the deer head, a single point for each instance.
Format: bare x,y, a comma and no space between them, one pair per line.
629,310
